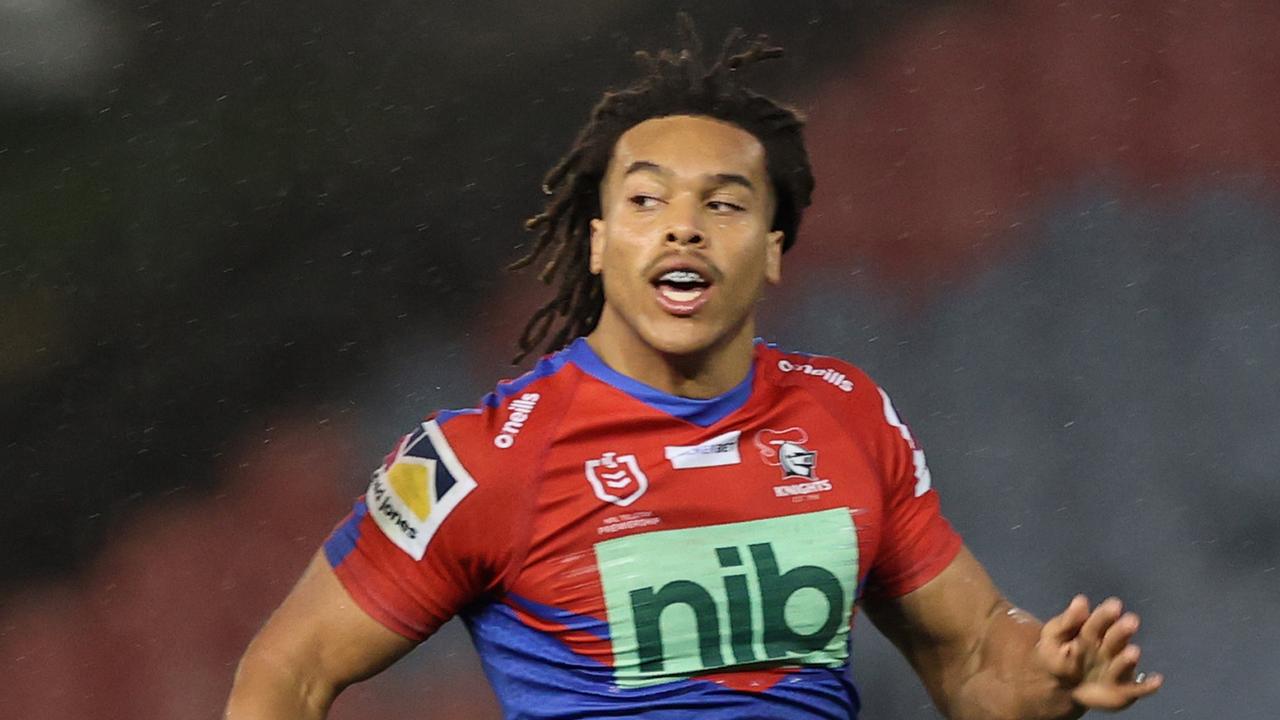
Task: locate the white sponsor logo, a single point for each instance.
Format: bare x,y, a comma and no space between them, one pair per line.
719,450
616,478
518,412
409,497
835,377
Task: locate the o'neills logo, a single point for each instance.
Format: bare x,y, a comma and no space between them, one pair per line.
518,412
835,377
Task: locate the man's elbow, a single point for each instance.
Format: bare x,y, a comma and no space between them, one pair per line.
269,685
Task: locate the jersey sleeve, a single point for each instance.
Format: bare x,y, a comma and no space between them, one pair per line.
425,540
917,541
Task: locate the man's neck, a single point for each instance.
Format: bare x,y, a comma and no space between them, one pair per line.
707,373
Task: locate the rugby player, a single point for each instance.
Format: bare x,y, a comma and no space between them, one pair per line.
667,517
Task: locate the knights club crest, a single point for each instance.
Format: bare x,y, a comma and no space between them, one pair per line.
785,449
616,478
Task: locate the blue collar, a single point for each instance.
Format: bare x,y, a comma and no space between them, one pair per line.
703,413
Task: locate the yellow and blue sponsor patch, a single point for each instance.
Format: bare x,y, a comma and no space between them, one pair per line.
416,489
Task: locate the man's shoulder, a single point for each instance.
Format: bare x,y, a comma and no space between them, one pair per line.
514,421
487,454
825,373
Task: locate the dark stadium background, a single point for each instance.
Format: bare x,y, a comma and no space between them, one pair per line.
244,245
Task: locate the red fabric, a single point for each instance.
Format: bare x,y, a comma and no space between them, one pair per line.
531,525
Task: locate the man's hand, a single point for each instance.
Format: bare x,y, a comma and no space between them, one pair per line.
1092,657
982,658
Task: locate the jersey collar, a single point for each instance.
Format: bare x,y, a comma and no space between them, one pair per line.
700,412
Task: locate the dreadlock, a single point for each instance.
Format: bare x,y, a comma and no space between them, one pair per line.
674,83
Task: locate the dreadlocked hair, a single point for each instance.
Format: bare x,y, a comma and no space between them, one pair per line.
674,83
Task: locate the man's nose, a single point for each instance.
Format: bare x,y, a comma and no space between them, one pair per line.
685,227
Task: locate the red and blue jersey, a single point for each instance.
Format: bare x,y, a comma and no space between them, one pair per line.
616,551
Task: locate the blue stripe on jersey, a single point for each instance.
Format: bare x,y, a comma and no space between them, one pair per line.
703,413
445,416
573,621
536,677
343,540
548,365
505,389
533,674
775,346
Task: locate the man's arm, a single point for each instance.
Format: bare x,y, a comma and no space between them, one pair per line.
317,643
983,659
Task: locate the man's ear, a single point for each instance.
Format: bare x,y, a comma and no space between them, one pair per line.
773,256
596,263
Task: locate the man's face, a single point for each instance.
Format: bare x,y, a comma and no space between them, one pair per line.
684,245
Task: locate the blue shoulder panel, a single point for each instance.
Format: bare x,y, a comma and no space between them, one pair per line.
545,367
343,540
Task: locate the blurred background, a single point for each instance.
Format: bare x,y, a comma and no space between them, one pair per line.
245,245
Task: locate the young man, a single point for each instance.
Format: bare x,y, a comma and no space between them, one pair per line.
667,517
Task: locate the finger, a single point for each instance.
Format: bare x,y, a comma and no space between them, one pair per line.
1105,696
1146,683
1123,669
1066,625
1102,618
1062,660
1119,635
1134,691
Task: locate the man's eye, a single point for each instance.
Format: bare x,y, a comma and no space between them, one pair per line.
643,201
724,206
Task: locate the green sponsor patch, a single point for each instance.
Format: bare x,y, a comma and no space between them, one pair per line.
686,602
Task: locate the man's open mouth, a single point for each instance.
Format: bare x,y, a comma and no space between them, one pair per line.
682,292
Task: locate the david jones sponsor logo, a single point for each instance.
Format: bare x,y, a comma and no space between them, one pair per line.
835,377
382,501
518,412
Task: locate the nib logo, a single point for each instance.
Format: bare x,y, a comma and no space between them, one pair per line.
682,603
774,638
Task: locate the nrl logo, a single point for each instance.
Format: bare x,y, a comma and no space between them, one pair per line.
616,478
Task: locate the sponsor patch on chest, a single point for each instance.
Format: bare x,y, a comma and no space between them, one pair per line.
718,451
687,602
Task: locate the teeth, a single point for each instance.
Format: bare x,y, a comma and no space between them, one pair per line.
682,276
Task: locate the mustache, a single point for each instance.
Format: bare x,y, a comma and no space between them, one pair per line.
703,261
